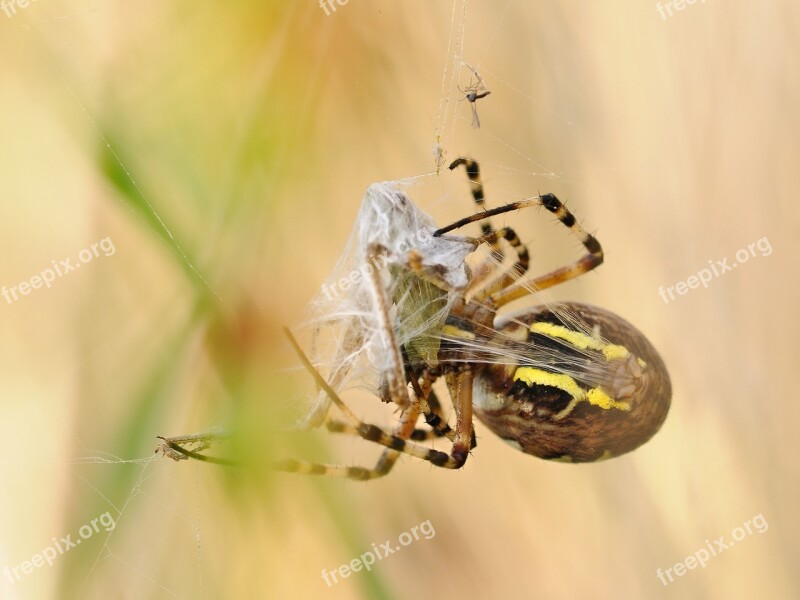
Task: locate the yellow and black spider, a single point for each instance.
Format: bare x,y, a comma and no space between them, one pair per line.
568,381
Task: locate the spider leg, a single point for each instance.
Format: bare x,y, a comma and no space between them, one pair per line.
476,187
432,411
418,435
174,448
512,274
489,235
383,466
592,259
486,214
424,435
428,404
513,289
461,388
395,442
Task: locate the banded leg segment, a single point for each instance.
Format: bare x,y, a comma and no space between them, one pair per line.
484,272
510,236
476,187
173,448
431,408
591,260
489,235
460,386
395,443
432,412
586,263
382,467
373,433
418,435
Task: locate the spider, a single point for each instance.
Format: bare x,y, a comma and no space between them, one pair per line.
568,382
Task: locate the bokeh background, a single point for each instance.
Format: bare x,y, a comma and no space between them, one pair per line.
225,148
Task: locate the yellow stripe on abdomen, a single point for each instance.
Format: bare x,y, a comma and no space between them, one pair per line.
594,396
580,340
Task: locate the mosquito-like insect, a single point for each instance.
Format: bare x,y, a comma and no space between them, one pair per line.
569,382
474,92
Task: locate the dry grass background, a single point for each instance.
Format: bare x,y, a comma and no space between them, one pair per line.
252,130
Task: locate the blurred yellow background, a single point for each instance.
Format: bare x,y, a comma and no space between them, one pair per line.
224,150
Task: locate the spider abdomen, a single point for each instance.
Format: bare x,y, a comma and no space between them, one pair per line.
587,394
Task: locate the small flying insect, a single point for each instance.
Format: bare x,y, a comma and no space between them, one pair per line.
568,381
474,92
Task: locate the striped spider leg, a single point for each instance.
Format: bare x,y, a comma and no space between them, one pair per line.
489,235
508,288
395,442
